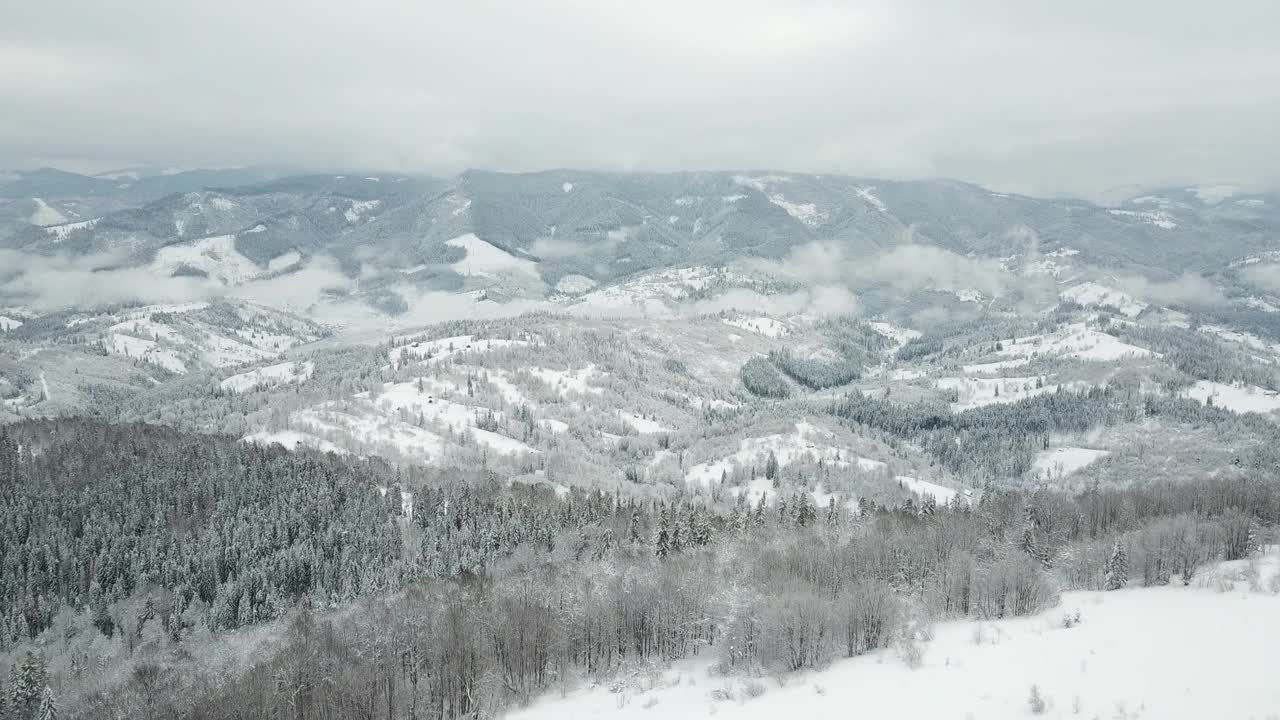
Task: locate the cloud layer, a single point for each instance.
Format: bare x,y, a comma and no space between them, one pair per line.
1034,97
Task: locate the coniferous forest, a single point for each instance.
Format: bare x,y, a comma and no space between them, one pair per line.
139,561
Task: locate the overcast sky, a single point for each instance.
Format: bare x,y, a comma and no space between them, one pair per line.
1040,97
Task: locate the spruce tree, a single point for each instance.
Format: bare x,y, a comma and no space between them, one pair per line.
48,706
1117,569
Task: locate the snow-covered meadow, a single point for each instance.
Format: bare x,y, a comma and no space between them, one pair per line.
1167,653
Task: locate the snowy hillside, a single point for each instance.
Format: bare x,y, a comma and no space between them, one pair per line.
1117,659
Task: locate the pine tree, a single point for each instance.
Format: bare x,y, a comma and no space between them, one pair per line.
633,532
48,706
758,519
1117,569
771,468
662,542
832,514
28,681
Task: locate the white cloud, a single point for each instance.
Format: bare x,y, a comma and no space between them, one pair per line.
1024,96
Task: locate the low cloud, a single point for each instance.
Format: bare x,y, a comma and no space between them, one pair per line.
1190,289
50,283
904,269
1265,277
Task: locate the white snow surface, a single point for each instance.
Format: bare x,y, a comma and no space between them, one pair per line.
1091,293
1075,341
868,194
358,208
60,232
1158,218
270,376
216,256
45,215
807,213
808,442
485,260
1172,653
979,392
448,347
899,335
567,187
569,381
760,325
8,323
575,284
1236,398
924,488
1061,462
643,425
995,367
291,439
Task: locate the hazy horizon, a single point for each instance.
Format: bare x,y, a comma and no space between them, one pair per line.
1074,100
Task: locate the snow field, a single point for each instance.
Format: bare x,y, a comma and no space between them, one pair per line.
1077,342
1090,293
485,260
1173,653
979,392
270,376
1063,461
1236,398
760,325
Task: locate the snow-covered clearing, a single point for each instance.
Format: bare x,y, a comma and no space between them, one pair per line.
1249,340
147,351
8,323
978,392
448,347
567,187
569,381
643,425
358,208
485,260
924,488
575,284
1075,341
419,403
1090,293
1172,653
868,194
1236,398
808,442
807,213
217,257
899,335
270,376
995,367
1061,462
1158,218
291,439
45,215
760,325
